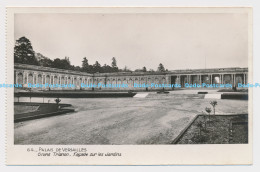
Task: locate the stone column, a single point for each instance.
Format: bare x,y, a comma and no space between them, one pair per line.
76,82
27,78
36,79
16,78
23,78
244,79
53,79
234,79
33,79
43,76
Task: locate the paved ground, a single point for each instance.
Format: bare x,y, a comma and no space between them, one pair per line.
155,119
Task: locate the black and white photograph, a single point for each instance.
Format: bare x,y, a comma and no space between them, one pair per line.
102,86
131,79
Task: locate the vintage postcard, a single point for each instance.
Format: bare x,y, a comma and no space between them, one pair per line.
129,86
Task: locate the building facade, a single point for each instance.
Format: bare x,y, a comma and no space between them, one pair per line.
30,74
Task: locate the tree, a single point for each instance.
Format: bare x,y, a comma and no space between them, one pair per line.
208,110
61,63
214,104
57,101
67,59
43,61
106,68
161,68
46,62
85,65
23,52
144,69
56,63
114,65
97,67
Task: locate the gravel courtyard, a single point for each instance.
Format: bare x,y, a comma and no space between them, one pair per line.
155,119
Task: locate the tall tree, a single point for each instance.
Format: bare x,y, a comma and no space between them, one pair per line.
114,65
23,52
161,68
144,69
85,65
97,67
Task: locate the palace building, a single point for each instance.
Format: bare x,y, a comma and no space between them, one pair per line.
24,74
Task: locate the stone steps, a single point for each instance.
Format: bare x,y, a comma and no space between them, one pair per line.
181,96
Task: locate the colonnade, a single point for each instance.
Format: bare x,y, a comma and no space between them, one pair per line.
214,78
26,74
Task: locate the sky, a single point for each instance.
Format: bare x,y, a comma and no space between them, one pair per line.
178,41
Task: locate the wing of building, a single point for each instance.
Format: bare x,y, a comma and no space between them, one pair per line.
30,74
